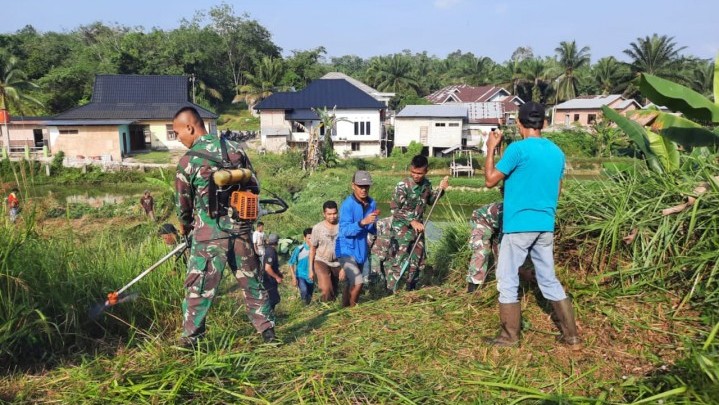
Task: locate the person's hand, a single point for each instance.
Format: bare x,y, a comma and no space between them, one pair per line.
312,274
494,138
294,282
417,226
278,279
444,183
185,229
371,218
342,275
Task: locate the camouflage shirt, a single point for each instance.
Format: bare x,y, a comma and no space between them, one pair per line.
409,200
192,185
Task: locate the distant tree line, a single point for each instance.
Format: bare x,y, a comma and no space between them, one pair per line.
232,58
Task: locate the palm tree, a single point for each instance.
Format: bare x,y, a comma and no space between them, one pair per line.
509,75
266,79
13,84
476,71
656,55
393,73
610,75
535,73
570,59
702,78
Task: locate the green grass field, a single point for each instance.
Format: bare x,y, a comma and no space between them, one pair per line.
647,310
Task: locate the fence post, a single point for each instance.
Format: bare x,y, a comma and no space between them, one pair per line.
27,152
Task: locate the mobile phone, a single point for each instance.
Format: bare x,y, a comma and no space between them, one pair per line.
493,129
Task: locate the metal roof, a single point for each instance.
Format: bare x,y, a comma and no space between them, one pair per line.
588,102
433,111
302,114
135,97
322,93
61,123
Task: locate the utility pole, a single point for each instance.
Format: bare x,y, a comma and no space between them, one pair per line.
192,79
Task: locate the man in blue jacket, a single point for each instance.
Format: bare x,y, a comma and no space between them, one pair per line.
358,215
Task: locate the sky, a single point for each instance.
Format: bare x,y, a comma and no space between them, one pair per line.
380,27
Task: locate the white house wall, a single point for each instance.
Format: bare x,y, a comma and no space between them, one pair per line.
407,130
272,121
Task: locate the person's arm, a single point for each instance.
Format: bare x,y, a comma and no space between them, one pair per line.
293,265
184,197
492,176
268,268
349,226
311,258
398,201
443,184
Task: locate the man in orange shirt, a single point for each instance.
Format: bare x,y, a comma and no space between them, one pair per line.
13,204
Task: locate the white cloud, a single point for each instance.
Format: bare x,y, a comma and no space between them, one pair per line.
446,3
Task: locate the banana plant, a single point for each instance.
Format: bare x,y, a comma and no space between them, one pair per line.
657,133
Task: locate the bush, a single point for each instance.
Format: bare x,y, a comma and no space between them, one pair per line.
574,142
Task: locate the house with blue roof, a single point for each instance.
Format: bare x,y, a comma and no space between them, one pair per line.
287,118
127,114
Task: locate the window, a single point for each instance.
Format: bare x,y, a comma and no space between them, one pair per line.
171,135
591,119
576,117
69,132
440,124
355,146
454,124
362,128
322,129
299,126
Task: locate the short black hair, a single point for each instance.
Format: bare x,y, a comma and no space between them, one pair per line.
192,111
532,115
307,231
260,223
329,204
419,162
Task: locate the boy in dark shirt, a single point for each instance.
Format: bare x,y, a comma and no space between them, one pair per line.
272,277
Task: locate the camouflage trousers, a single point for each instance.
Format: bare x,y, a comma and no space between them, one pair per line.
204,273
484,240
403,238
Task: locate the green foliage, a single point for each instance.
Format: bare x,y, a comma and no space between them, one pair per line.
56,165
574,142
678,98
637,134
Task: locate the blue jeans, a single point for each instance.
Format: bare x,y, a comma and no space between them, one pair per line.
513,251
306,289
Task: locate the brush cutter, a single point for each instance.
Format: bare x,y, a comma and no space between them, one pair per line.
116,297
405,265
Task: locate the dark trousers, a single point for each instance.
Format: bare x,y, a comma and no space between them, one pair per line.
306,290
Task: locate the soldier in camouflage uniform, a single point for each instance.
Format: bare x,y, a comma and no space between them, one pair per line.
411,197
380,246
215,241
486,222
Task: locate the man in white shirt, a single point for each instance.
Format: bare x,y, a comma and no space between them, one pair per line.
258,240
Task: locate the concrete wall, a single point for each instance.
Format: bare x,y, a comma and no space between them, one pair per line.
582,117
95,141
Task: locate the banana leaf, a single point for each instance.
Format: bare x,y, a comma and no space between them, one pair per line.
665,150
678,98
678,129
636,133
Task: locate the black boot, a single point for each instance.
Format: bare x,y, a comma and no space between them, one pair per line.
268,335
510,319
564,315
471,287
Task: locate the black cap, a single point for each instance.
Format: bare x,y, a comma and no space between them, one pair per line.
531,112
167,229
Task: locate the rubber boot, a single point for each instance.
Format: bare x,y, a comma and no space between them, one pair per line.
510,319
564,315
268,335
471,287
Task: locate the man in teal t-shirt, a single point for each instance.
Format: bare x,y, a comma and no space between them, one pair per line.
532,170
299,268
